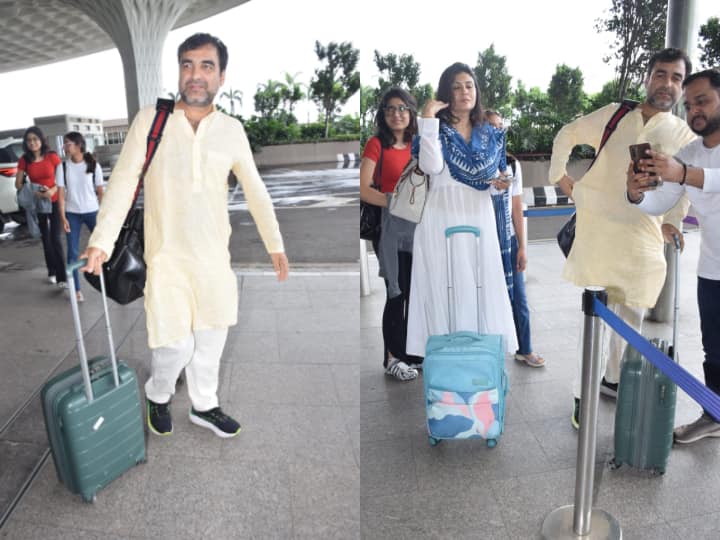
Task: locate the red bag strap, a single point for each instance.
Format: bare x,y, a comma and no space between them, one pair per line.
625,107
163,110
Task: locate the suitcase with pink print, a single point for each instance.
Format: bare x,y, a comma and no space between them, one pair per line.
464,374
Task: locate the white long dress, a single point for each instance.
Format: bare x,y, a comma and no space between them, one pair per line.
452,203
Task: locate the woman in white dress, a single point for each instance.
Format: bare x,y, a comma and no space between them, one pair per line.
463,156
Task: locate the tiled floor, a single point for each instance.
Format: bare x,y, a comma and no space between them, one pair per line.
466,490
289,374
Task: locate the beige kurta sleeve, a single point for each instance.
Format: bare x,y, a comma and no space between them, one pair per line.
122,183
256,194
587,129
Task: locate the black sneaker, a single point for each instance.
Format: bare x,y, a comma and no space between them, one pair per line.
575,418
609,389
158,418
217,421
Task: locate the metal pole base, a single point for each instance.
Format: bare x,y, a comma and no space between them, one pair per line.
558,525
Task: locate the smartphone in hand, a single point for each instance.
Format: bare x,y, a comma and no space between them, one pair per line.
638,152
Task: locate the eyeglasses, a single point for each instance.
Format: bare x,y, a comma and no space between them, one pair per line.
392,109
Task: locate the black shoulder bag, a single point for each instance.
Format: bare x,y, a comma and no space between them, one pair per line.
371,215
125,270
566,235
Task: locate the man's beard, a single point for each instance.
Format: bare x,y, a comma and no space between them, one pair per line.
712,125
654,102
209,97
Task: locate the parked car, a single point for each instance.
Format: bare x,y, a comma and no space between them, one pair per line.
10,152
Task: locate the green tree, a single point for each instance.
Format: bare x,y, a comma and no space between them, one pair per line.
609,94
533,126
338,81
368,105
493,80
268,97
292,92
422,94
710,45
639,28
401,71
566,94
233,96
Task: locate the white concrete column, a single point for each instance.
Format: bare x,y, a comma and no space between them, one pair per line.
138,28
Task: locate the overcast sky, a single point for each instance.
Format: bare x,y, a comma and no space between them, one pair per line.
267,38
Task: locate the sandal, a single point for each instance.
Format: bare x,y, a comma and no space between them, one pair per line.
532,359
401,371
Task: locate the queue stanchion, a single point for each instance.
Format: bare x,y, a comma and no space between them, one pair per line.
580,521
364,270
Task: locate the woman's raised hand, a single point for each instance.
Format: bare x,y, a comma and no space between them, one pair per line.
432,107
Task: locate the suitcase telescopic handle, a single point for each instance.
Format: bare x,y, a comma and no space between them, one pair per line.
449,233
676,307
78,329
462,229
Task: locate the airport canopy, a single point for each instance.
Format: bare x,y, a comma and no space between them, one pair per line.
39,32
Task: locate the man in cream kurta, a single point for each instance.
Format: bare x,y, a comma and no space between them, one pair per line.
191,295
616,245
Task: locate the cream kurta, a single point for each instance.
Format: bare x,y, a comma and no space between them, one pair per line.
617,246
190,284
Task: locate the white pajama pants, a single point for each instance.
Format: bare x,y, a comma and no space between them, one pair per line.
199,354
612,345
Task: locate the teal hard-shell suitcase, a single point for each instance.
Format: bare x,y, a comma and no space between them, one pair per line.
93,418
645,411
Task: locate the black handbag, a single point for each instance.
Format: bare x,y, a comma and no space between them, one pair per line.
125,270
371,215
566,235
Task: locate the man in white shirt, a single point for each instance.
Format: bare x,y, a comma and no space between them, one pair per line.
694,170
191,295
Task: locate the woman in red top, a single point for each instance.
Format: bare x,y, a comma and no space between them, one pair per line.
384,159
39,163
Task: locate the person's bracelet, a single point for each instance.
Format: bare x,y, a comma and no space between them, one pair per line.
682,182
631,200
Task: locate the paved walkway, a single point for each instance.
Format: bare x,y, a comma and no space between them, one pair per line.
465,490
289,374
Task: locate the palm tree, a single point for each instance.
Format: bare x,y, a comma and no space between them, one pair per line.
268,98
233,96
292,91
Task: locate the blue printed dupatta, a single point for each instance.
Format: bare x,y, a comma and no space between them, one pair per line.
475,164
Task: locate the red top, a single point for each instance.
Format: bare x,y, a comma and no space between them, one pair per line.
393,162
43,171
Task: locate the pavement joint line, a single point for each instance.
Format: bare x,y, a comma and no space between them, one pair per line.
250,273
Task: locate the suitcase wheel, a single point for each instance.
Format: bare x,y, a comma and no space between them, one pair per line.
90,499
433,441
613,465
492,443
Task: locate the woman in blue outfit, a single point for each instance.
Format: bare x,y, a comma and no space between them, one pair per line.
80,182
511,235
463,155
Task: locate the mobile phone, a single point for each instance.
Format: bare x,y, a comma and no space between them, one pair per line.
638,152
